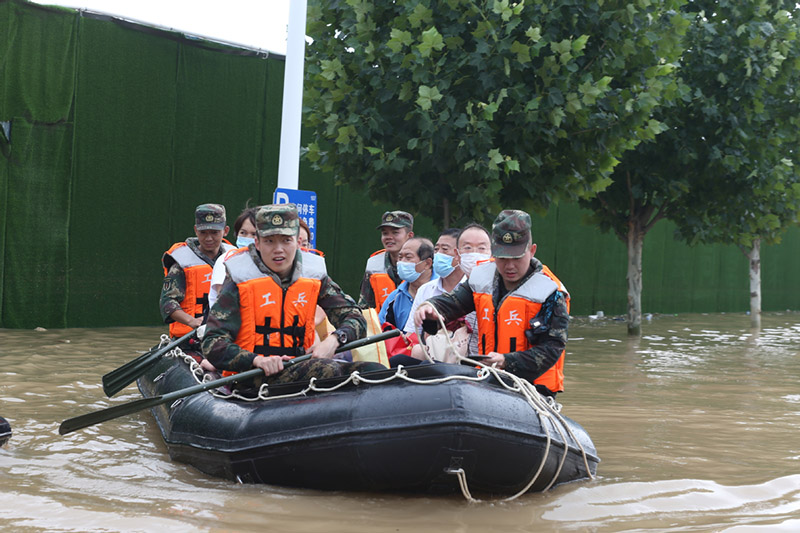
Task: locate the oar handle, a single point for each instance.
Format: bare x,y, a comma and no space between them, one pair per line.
90,419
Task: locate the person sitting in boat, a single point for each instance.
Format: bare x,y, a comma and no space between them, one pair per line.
265,311
187,273
245,229
380,277
522,308
304,239
415,268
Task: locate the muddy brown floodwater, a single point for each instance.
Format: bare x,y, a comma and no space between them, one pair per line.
697,424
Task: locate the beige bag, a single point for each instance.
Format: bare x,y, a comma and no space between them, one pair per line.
440,349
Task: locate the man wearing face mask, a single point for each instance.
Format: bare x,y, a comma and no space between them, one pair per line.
447,269
522,308
415,268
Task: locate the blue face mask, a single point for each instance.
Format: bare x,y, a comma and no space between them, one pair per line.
407,271
443,264
242,242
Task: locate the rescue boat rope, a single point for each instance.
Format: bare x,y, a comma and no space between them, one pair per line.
546,409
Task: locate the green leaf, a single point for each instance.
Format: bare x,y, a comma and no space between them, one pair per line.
534,34
579,44
522,51
399,39
428,95
431,40
420,16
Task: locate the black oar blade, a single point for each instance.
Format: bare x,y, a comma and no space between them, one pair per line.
90,419
117,382
118,379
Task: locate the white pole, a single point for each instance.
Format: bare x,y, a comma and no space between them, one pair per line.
289,162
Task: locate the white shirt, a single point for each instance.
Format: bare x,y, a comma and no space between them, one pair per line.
426,290
217,278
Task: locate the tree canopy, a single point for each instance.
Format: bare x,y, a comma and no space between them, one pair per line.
725,168
471,106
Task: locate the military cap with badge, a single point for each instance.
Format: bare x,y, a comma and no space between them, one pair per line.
209,216
511,234
277,219
396,219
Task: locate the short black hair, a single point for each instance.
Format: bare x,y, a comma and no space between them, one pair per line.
451,232
425,250
473,225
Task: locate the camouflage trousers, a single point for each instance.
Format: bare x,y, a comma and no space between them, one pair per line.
320,369
312,368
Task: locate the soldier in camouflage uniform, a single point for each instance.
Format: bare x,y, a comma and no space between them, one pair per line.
380,276
187,269
522,308
265,311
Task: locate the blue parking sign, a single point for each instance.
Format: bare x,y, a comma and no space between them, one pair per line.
306,202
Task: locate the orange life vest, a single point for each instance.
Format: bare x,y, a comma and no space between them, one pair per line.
274,321
379,279
198,282
502,330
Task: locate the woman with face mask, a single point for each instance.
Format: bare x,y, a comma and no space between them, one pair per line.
245,230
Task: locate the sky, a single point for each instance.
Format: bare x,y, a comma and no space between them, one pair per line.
253,23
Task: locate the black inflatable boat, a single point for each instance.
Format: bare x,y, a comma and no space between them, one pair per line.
434,429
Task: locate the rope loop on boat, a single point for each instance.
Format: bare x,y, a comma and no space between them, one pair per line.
546,409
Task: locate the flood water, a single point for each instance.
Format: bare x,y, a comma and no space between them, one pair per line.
697,424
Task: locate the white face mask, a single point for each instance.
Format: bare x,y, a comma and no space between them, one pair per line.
468,261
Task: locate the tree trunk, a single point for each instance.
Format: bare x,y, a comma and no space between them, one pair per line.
755,284
635,246
446,213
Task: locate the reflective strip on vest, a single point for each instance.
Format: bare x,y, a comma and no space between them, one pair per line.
197,273
504,331
380,281
274,321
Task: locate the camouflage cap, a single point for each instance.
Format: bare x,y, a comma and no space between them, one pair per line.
511,234
209,216
397,219
277,219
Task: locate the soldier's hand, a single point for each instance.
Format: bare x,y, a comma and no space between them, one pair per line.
494,358
425,311
325,349
195,322
270,365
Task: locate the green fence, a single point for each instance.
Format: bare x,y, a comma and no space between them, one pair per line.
116,131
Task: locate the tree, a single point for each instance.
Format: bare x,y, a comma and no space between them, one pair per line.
460,107
725,168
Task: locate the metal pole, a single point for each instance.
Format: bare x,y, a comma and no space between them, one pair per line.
289,162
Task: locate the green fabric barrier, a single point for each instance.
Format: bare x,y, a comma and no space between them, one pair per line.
122,203
41,36
122,130
5,149
218,134
37,190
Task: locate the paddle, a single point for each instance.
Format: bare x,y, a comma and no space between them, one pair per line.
90,419
118,379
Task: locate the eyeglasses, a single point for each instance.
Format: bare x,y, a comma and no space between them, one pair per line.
468,249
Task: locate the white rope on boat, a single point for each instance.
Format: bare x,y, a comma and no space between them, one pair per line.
546,409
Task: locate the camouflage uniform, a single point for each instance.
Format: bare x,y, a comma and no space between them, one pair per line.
391,219
224,321
174,289
510,239
535,361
